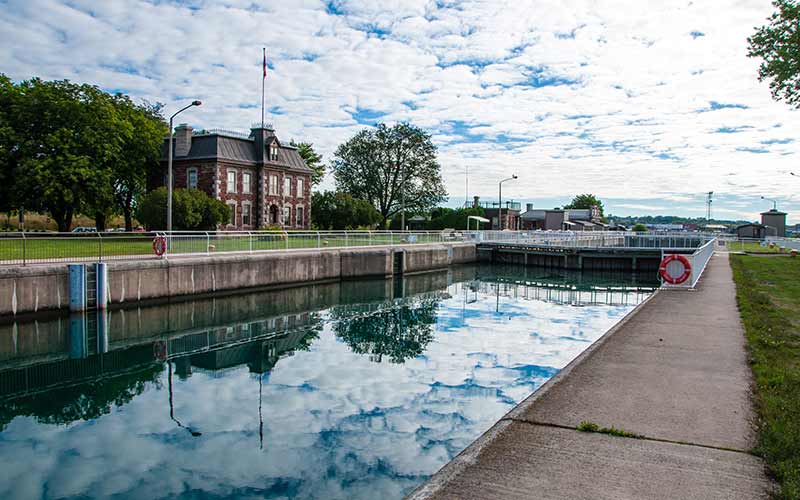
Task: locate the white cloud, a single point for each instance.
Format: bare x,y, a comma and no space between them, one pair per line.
498,84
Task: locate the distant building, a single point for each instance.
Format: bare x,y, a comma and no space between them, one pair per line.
263,181
573,219
716,228
665,227
491,210
755,230
776,219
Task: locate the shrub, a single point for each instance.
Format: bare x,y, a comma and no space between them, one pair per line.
192,209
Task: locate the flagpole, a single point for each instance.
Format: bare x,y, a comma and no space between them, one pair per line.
263,79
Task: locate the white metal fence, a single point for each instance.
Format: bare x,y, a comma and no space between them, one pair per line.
38,248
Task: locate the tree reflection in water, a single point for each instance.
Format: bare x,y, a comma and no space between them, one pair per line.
400,331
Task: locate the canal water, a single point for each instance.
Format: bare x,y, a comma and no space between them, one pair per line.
342,390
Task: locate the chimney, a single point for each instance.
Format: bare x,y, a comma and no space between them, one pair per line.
261,136
183,139
528,207
476,201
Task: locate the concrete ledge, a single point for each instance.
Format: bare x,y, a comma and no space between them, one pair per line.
46,287
530,461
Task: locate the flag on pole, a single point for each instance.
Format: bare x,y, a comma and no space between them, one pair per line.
263,79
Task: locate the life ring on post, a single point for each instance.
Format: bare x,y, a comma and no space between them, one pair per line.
159,245
668,276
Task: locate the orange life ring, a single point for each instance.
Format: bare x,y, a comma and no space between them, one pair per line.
159,245
675,280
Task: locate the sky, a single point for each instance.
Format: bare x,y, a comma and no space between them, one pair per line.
647,104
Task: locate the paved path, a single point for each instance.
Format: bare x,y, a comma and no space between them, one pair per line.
675,372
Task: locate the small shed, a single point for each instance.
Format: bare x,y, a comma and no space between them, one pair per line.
755,231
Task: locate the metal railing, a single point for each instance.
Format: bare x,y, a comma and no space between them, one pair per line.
698,260
41,248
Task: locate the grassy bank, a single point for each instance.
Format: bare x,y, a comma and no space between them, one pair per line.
768,293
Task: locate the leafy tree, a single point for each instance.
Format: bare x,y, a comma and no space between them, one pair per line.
387,164
585,201
312,159
192,209
778,45
8,144
141,153
330,210
640,228
67,136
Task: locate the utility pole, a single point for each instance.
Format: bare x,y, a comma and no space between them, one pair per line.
709,201
466,186
403,199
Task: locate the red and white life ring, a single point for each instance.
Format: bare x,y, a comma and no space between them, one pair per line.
159,245
673,278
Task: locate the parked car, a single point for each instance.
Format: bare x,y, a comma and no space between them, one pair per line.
84,229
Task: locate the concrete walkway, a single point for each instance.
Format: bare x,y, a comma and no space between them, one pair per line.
674,372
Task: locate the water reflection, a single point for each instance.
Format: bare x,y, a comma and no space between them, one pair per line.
342,390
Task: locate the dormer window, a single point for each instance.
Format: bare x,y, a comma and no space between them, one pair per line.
273,152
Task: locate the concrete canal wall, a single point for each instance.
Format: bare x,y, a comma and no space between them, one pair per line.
46,287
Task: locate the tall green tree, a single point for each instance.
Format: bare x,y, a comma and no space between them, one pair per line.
66,138
312,159
778,45
585,201
390,167
143,137
8,144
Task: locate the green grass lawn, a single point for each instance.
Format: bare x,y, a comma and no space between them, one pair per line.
768,293
39,248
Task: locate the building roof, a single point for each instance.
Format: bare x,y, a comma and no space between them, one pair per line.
533,215
571,214
772,211
232,146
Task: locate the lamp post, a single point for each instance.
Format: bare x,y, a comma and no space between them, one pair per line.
169,167
774,203
500,199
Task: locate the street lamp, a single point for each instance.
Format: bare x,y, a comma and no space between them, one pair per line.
774,203
500,199
169,167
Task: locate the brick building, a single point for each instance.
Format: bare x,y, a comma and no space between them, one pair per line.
265,183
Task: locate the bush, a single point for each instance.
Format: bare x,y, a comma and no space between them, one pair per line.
446,218
192,209
640,228
330,210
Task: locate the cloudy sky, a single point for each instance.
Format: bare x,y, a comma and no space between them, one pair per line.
648,104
